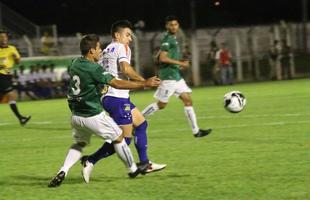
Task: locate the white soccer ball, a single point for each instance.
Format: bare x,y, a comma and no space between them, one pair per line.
234,101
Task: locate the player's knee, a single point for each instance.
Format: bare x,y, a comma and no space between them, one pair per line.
161,105
188,103
118,140
126,131
12,96
79,146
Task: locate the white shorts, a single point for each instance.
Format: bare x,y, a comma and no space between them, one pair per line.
101,125
170,87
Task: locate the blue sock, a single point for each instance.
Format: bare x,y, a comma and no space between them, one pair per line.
141,142
128,140
106,150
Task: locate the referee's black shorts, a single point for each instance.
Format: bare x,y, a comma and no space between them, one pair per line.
6,84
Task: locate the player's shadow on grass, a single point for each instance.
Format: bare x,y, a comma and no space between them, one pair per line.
154,176
42,181
22,180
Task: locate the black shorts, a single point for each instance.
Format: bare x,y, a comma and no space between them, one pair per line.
6,84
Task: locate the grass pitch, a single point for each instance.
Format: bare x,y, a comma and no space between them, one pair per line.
260,153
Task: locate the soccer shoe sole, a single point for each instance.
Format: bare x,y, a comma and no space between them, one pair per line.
57,180
148,171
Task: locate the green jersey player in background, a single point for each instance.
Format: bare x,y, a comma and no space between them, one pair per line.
87,117
172,82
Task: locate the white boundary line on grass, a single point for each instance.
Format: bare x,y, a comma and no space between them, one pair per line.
201,117
5,123
279,123
257,116
276,123
44,122
35,122
235,116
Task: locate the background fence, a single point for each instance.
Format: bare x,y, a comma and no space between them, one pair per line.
249,47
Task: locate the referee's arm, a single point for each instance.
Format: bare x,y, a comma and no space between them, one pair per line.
16,58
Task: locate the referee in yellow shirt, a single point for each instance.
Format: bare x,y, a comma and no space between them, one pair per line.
8,57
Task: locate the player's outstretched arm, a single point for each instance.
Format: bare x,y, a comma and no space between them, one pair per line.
123,84
127,69
16,58
163,57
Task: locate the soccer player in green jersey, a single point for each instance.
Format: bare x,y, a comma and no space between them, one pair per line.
172,83
86,78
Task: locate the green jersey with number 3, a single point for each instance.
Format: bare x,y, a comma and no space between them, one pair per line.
170,71
84,93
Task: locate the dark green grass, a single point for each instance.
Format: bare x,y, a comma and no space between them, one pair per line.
260,153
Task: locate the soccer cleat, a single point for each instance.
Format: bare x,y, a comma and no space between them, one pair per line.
202,133
142,168
57,180
87,168
154,167
23,120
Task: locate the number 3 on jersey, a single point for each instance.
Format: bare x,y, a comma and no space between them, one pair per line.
77,88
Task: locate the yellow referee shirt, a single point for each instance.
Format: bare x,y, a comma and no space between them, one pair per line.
7,59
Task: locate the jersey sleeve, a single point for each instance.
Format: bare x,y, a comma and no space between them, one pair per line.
164,46
101,76
123,55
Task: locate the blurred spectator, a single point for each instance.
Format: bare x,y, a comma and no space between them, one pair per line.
51,75
47,42
223,59
37,78
44,83
139,27
31,79
65,81
41,82
274,53
52,81
23,86
285,60
211,63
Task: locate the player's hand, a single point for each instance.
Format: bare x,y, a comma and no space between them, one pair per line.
184,63
152,82
14,55
16,58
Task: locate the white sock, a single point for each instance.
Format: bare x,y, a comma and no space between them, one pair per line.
191,117
124,153
150,109
72,157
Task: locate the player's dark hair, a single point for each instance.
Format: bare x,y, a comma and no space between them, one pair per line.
4,31
170,18
88,42
116,26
